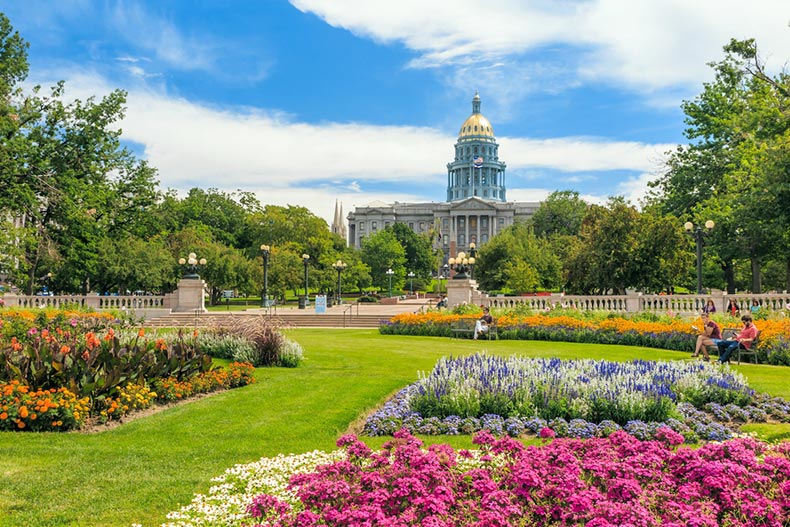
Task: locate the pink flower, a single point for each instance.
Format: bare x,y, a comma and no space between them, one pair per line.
547,433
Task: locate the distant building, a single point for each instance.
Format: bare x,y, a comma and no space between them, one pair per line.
476,208
338,224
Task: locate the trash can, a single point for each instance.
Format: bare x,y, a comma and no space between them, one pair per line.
302,302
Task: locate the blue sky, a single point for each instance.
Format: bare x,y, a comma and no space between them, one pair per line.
309,101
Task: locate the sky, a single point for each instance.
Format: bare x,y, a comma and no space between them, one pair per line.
305,102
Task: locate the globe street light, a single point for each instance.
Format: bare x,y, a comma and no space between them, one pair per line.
191,264
265,251
411,283
462,263
696,232
389,273
339,266
306,260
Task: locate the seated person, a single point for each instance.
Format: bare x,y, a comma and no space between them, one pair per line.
755,307
710,336
710,307
732,307
743,339
481,326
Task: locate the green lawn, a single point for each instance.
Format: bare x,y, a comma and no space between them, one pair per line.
142,470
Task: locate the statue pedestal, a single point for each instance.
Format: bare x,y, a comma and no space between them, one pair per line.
461,291
189,296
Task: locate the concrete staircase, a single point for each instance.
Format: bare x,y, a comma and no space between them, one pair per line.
286,318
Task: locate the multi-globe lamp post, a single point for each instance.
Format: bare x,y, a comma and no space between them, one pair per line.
698,233
266,252
191,263
462,263
389,274
339,266
411,283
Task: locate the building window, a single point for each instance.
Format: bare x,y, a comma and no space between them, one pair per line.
484,238
386,224
411,225
374,225
461,222
461,240
501,222
446,241
422,226
446,223
485,193
484,222
362,225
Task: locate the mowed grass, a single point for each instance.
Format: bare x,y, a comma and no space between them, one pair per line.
142,470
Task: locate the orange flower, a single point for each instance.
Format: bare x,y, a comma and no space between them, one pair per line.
23,412
64,349
161,345
15,345
109,336
141,333
91,340
195,333
3,416
86,355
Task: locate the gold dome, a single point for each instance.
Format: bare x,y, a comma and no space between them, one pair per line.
476,125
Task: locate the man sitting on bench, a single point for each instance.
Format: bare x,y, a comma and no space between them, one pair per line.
743,339
481,326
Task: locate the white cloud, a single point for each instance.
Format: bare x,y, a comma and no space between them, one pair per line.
649,44
162,38
284,161
573,154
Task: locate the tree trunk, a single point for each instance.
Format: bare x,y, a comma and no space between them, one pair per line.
756,275
729,275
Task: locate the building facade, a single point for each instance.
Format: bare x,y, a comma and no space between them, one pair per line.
476,208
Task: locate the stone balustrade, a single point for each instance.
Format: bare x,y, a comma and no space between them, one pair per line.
638,302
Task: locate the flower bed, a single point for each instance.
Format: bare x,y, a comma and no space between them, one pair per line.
561,325
601,482
56,377
581,398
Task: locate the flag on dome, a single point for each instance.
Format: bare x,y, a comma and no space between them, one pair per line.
478,161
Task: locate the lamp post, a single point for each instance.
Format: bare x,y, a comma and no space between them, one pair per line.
472,260
696,232
389,274
265,251
339,266
306,298
191,264
446,275
411,283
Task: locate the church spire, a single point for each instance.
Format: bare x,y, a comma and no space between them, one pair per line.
338,223
476,103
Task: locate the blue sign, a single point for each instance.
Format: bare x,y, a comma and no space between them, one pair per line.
320,304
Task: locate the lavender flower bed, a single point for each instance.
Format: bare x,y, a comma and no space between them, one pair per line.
581,399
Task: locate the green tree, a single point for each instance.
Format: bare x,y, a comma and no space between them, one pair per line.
382,251
419,253
736,162
561,213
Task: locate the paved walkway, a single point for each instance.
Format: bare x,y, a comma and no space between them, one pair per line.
363,308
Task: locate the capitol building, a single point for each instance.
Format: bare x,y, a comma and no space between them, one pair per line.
476,208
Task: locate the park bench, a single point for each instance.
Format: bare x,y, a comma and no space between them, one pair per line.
740,352
466,326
